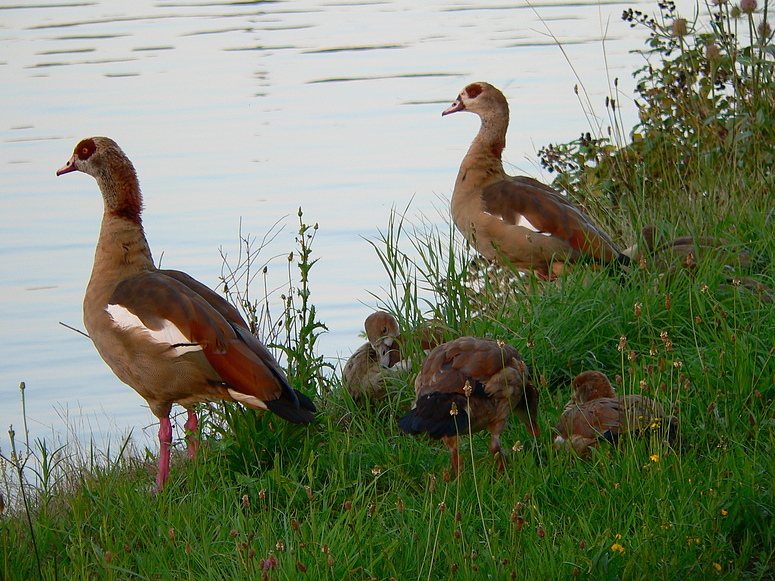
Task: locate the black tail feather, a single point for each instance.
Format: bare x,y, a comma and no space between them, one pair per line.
299,410
432,415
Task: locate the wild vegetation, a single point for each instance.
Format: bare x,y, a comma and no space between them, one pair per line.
353,498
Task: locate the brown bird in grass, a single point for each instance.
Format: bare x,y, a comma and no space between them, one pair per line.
668,256
468,385
169,337
596,413
531,224
387,355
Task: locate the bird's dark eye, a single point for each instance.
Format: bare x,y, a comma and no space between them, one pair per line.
85,149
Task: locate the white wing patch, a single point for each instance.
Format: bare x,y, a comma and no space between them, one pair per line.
248,400
525,223
169,334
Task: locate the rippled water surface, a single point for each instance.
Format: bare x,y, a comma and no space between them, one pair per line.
243,112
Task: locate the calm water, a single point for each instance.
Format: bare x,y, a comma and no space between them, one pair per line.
245,111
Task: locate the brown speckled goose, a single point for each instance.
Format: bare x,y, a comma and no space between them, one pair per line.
595,413
163,333
471,384
532,225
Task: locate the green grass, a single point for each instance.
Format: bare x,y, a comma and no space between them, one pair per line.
351,497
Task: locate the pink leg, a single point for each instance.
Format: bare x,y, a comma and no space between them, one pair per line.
457,461
165,440
191,426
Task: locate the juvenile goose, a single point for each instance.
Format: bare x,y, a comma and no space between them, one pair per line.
532,225
595,413
169,337
386,355
669,256
468,385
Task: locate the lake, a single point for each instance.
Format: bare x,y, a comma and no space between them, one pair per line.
235,114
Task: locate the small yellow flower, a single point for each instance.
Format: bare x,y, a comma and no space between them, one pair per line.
717,566
654,457
724,512
617,547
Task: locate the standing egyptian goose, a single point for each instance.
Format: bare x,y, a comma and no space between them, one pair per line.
169,337
532,225
596,413
468,385
385,356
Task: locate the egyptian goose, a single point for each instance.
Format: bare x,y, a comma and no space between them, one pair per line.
530,224
596,413
169,337
668,256
468,385
386,355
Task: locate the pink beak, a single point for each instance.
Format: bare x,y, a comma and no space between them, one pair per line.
456,106
68,167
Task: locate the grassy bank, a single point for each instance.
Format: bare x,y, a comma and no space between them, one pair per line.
353,498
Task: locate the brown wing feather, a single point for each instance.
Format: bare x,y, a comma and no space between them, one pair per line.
449,365
236,356
216,301
548,211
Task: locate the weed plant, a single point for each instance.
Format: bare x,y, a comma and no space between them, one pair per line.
353,498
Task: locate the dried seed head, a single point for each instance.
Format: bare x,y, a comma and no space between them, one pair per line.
233,533
467,389
171,534
432,482
262,495
445,476
638,307
294,524
622,342
541,532
308,490
748,6
245,501
300,566
348,504
453,409
330,560
280,546
442,506
679,27
376,471
108,557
